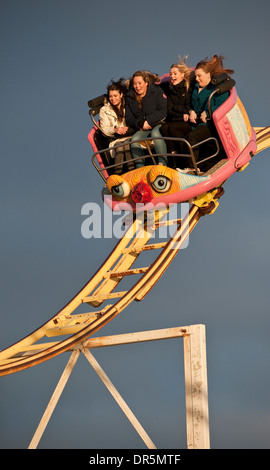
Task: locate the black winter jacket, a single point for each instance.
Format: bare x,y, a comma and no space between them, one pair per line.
153,109
178,100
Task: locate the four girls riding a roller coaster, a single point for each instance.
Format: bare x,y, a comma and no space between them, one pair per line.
228,150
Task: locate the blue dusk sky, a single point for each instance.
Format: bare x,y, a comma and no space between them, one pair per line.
55,56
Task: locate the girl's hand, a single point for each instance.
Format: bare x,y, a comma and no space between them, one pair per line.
146,126
204,117
120,130
186,117
192,116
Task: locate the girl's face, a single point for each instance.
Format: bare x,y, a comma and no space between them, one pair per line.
140,86
203,78
115,97
176,76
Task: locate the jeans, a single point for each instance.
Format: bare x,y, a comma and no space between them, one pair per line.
138,151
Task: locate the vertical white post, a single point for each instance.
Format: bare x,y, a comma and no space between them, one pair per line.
197,415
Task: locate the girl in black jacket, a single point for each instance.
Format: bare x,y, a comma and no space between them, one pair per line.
146,107
178,91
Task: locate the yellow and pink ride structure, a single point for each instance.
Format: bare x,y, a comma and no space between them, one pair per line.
231,149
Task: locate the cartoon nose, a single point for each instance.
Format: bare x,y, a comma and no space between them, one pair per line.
142,193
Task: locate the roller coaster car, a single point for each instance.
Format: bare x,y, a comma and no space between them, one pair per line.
152,185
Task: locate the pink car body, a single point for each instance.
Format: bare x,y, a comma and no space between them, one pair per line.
239,142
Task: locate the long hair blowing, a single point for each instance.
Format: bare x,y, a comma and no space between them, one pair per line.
185,69
214,66
118,85
147,76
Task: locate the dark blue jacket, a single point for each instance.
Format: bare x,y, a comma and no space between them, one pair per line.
153,108
199,100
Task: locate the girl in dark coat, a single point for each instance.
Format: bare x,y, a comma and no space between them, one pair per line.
202,125
146,107
178,91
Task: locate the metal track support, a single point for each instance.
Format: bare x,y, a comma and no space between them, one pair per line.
197,416
54,399
116,395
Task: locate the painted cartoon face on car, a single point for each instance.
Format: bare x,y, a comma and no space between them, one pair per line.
144,184
148,183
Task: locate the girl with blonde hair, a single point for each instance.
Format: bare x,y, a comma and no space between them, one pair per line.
198,126
178,91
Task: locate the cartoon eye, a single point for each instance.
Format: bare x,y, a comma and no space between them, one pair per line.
121,190
161,184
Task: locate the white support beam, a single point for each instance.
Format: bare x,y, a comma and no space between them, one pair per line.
121,402
54,400
197,414
138,337
196,390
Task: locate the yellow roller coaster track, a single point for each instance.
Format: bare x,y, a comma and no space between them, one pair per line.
78,327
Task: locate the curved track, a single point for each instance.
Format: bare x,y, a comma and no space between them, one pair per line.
262,138
69,328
